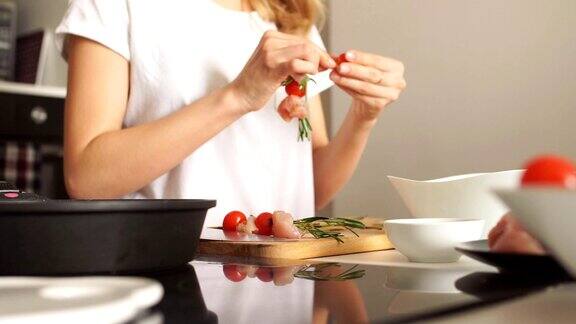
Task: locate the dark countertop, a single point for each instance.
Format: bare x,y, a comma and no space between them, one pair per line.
202,293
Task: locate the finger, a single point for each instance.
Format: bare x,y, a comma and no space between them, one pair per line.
375,105
275,35
496,232
304,49
275,44
372,75
326,60
518,242
360,72
382,63
365,88
279,35
301,51
298,69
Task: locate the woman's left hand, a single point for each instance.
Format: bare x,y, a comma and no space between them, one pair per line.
373,82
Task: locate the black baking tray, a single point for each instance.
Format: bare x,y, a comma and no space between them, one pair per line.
69,237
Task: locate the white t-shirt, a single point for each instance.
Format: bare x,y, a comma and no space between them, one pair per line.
179,51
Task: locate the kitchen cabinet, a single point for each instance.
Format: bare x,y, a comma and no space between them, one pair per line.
30,113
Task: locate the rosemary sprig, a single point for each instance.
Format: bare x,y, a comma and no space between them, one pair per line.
324,227
304,127
318,273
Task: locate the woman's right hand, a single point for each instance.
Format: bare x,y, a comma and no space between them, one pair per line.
277,56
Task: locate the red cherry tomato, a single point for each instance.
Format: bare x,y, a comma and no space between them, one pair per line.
232,220
294,89
264,224
265,274
233,273
550,170
341,59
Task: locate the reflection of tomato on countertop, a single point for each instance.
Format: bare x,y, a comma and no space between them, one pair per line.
284,275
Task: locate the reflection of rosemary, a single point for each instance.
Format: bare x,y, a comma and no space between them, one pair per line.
317,272
324,227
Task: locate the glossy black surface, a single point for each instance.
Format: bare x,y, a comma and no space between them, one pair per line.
203,293
543,265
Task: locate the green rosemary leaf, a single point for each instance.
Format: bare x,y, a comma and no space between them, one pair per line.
308,124
352,231
323,227
309,219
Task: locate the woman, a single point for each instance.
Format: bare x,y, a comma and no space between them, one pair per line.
177,99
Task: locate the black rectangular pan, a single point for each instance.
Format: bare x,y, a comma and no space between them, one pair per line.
68,237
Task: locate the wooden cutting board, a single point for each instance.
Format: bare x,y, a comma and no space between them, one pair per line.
218,242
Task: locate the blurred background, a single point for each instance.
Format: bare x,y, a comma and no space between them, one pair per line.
491,83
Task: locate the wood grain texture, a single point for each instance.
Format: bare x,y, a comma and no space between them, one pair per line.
368,240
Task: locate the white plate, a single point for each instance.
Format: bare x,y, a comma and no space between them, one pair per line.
83,300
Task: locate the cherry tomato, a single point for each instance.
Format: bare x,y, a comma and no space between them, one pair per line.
265,274
294,89
233,273
264,224
341,59
550,170
232,220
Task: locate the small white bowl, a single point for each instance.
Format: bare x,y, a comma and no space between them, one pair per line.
432,239
462,196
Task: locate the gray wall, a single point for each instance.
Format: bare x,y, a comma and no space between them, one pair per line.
491,83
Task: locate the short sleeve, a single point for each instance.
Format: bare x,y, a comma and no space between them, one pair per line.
322,79
104,21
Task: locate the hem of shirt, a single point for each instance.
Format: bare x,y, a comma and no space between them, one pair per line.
62,32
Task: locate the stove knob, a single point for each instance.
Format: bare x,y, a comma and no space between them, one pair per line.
39,115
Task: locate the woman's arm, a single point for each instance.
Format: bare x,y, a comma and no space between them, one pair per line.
102,160
373,82
335,161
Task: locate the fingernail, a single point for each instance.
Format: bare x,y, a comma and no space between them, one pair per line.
350,56
344,68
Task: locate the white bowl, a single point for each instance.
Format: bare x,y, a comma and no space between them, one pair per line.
462,196
549,215
432,239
